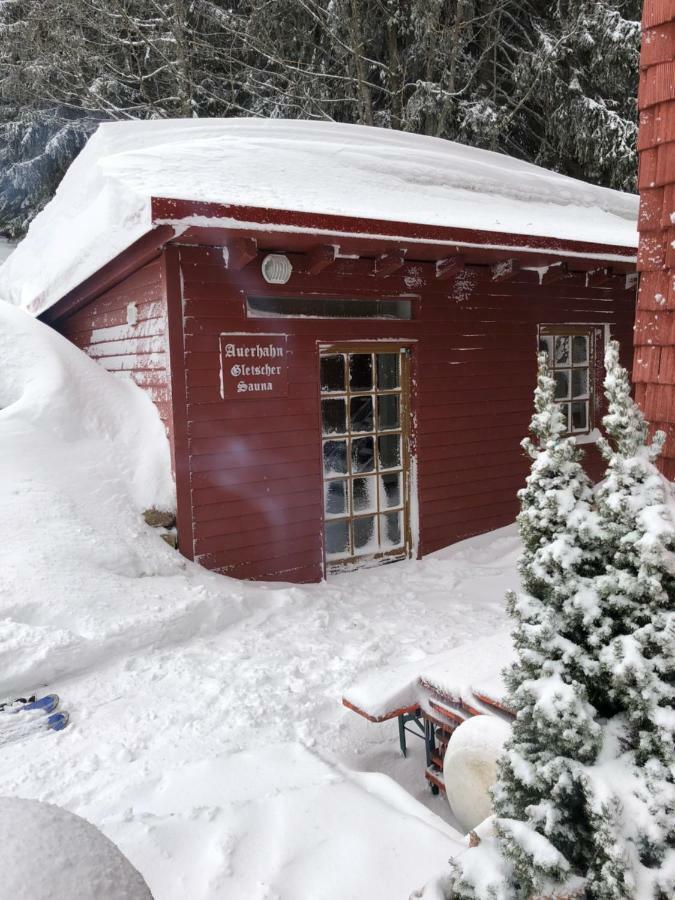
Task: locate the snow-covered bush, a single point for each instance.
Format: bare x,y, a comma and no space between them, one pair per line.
584,801
52,854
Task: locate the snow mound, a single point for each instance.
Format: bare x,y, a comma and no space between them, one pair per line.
103,203
52,854
81,575
470,767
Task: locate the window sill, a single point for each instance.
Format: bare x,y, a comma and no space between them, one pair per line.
590,438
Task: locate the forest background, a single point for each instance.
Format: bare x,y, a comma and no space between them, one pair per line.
550,81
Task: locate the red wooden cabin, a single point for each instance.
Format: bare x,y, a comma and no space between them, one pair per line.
342,388
654,367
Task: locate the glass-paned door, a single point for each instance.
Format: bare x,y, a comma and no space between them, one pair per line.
364,403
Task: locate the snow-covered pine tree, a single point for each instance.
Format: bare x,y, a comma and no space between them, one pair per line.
637,591
544,838
583,69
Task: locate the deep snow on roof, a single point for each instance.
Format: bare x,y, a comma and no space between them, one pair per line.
103,203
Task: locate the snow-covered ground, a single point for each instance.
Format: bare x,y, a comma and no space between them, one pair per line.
207,738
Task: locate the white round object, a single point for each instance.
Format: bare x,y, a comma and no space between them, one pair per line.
276,268
470,767
51,854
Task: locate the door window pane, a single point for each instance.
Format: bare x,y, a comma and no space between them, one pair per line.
337,538
562,385
361,413
363,454
390,490
333,416
364,496
335,497
332,373
389,451
579,349
335,457
580,416
388,378
546,346
365,537
360,371
391,532
579,382
562,350
565,413
388,412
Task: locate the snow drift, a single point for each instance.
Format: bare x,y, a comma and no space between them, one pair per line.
103,203
83,453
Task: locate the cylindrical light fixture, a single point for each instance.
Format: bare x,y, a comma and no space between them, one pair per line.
276,268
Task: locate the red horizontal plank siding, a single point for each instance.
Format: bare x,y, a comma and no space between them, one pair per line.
125,331
254,464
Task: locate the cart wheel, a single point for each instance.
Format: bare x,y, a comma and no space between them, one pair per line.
435,789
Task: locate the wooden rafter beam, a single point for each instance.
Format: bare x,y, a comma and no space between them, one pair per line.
240,252
319,258
554,273
388,263
505,270
451,265
598,277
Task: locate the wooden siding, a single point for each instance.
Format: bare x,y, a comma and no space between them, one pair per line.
654,364
125,330
255,465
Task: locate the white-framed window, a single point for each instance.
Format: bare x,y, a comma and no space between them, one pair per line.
571,359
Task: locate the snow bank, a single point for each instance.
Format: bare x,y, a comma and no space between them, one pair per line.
103,202
81,575
51,854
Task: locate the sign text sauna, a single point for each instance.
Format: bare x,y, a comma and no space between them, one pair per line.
253,366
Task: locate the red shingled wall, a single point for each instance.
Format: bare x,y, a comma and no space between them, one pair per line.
654,363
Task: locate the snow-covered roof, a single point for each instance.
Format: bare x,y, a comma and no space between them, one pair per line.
104,201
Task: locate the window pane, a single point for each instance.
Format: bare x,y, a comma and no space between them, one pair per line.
328,308
363,455
565,411
390,530
333,416
332,373
360,371
580,416
335,457
562,350
390,451
335,498
562,385
390,490
579,349
364,497
546,345
365,538
388,371
579,382
361,413
337,538
388,412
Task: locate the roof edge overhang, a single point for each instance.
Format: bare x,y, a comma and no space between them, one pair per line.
175,220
